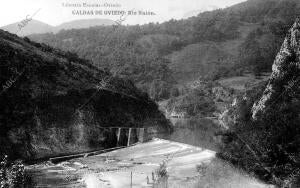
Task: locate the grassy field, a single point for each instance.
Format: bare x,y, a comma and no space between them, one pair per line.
239,82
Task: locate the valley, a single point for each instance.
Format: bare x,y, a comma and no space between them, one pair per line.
211,100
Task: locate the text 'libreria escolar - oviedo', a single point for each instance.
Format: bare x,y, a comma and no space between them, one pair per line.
102,9
91,5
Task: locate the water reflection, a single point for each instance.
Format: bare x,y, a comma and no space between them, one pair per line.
196,132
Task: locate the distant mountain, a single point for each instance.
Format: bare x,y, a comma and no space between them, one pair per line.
33,27
78,24
38,27
196,12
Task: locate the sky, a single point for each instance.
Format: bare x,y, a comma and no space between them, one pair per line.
54,13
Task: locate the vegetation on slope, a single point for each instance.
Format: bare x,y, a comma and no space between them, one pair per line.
54,103
244,37
201,98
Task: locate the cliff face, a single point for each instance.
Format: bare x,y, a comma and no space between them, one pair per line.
53,102
286,72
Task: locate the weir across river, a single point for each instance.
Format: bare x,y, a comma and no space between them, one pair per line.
126,136
122,136
133,134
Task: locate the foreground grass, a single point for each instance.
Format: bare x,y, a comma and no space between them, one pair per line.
221,174
13,174
215,174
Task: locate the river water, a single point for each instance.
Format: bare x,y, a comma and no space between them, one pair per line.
195,132
115,169
192,131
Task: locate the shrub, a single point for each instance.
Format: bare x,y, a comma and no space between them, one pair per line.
162,172
161,176
12,175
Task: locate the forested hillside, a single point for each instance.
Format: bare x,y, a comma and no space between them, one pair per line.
213,45
54,103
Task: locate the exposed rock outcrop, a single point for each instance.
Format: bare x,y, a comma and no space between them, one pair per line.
286,72
53,102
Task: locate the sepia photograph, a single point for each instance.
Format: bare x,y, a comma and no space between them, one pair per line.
150,94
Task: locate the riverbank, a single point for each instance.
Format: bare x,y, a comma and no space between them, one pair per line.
113,169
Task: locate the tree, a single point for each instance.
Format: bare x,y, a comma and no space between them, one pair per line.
250,54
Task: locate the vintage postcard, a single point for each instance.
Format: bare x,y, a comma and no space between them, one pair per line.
150,93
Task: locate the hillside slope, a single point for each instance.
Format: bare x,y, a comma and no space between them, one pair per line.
53,102
213,45
31,26
79,24
209,59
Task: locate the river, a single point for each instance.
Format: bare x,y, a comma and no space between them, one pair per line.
196,132
191,144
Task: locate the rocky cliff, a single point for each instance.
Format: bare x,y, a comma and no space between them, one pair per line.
267,131
54,103
286,72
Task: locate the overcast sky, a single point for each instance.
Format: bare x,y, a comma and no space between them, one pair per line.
52,12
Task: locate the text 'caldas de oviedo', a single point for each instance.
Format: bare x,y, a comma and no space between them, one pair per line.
112,12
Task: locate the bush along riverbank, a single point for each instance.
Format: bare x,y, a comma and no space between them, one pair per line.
13,174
